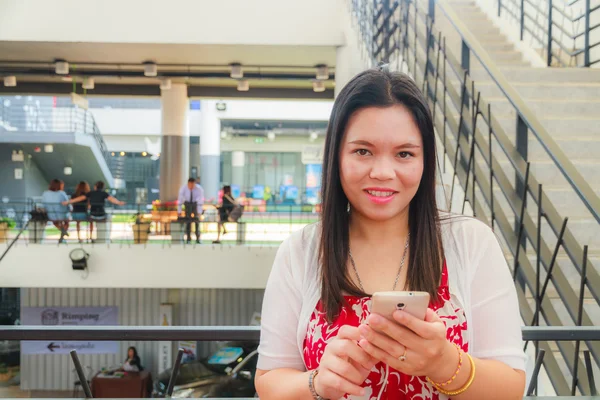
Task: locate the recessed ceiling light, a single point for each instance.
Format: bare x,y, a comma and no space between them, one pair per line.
61,68
88,83
10,81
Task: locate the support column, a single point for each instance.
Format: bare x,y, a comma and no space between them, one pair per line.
174,156
194,157
348,59
210,150
238,162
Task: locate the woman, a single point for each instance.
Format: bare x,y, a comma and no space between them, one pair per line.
58,212
97,199
380,231
80,209
227,204
132,362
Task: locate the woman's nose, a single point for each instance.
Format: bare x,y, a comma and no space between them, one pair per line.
382,169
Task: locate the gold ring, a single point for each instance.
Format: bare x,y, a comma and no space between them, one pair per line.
403,356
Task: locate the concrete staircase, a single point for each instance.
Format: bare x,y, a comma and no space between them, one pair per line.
567,102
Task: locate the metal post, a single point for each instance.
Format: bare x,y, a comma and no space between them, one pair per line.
81,375
586,56
590,373
499,7
536,372
174,373
522,145
490,133
579,319
522,18
549,57
465,56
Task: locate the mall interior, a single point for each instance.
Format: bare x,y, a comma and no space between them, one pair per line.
173,105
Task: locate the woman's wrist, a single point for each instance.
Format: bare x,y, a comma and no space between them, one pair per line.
447,365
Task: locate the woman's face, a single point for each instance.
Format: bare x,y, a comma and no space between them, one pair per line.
130,353
381,161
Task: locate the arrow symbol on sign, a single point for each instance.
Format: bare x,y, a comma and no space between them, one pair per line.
52,346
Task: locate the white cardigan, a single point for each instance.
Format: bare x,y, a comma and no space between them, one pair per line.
479,282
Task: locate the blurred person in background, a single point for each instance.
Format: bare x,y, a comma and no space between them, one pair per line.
97,199
192,196
53,201
80,209
227,204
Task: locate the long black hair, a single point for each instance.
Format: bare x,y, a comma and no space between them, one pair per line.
136,357
378,88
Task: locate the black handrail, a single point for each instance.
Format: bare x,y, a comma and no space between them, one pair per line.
232,333
564,164
569,48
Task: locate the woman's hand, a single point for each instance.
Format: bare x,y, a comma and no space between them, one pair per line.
344,366
423,343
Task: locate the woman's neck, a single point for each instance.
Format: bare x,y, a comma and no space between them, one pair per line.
377,232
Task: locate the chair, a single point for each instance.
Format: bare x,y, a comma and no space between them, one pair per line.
77,383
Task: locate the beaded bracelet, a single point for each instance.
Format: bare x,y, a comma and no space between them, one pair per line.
466,386
311,385
449,381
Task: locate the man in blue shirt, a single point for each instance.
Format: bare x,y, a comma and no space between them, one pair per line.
192,196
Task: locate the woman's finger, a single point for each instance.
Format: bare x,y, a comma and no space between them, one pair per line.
382,341
427,329
382,355
344,369
394,330
345,348
332,382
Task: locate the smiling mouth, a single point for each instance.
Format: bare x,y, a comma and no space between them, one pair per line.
380,193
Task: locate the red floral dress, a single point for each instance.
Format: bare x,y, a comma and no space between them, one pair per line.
400,386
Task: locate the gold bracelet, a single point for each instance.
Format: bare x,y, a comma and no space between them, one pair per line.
449,381
466,385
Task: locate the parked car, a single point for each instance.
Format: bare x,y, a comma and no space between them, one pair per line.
229,372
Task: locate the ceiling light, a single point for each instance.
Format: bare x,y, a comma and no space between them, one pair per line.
144,154
48,148
122,153
88,83
10,81
243,85
112,154
165,84
318,86
61,67
313,136
67,78
322,72
236,71
150,69
68,171
271,136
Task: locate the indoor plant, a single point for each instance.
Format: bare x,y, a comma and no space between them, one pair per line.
5,225
141,228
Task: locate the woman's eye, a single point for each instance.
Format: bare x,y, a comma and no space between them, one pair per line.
404,154
362,152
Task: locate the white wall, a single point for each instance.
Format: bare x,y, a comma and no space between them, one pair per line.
127,121
274,22
309,110
284,144
116,266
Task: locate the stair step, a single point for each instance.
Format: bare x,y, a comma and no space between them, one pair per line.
560,128
577,91
548,108
543,75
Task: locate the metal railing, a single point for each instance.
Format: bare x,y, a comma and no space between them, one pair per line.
32,117
478,151
252,334
143,224
567,31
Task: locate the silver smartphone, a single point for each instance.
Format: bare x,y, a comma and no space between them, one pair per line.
414,303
